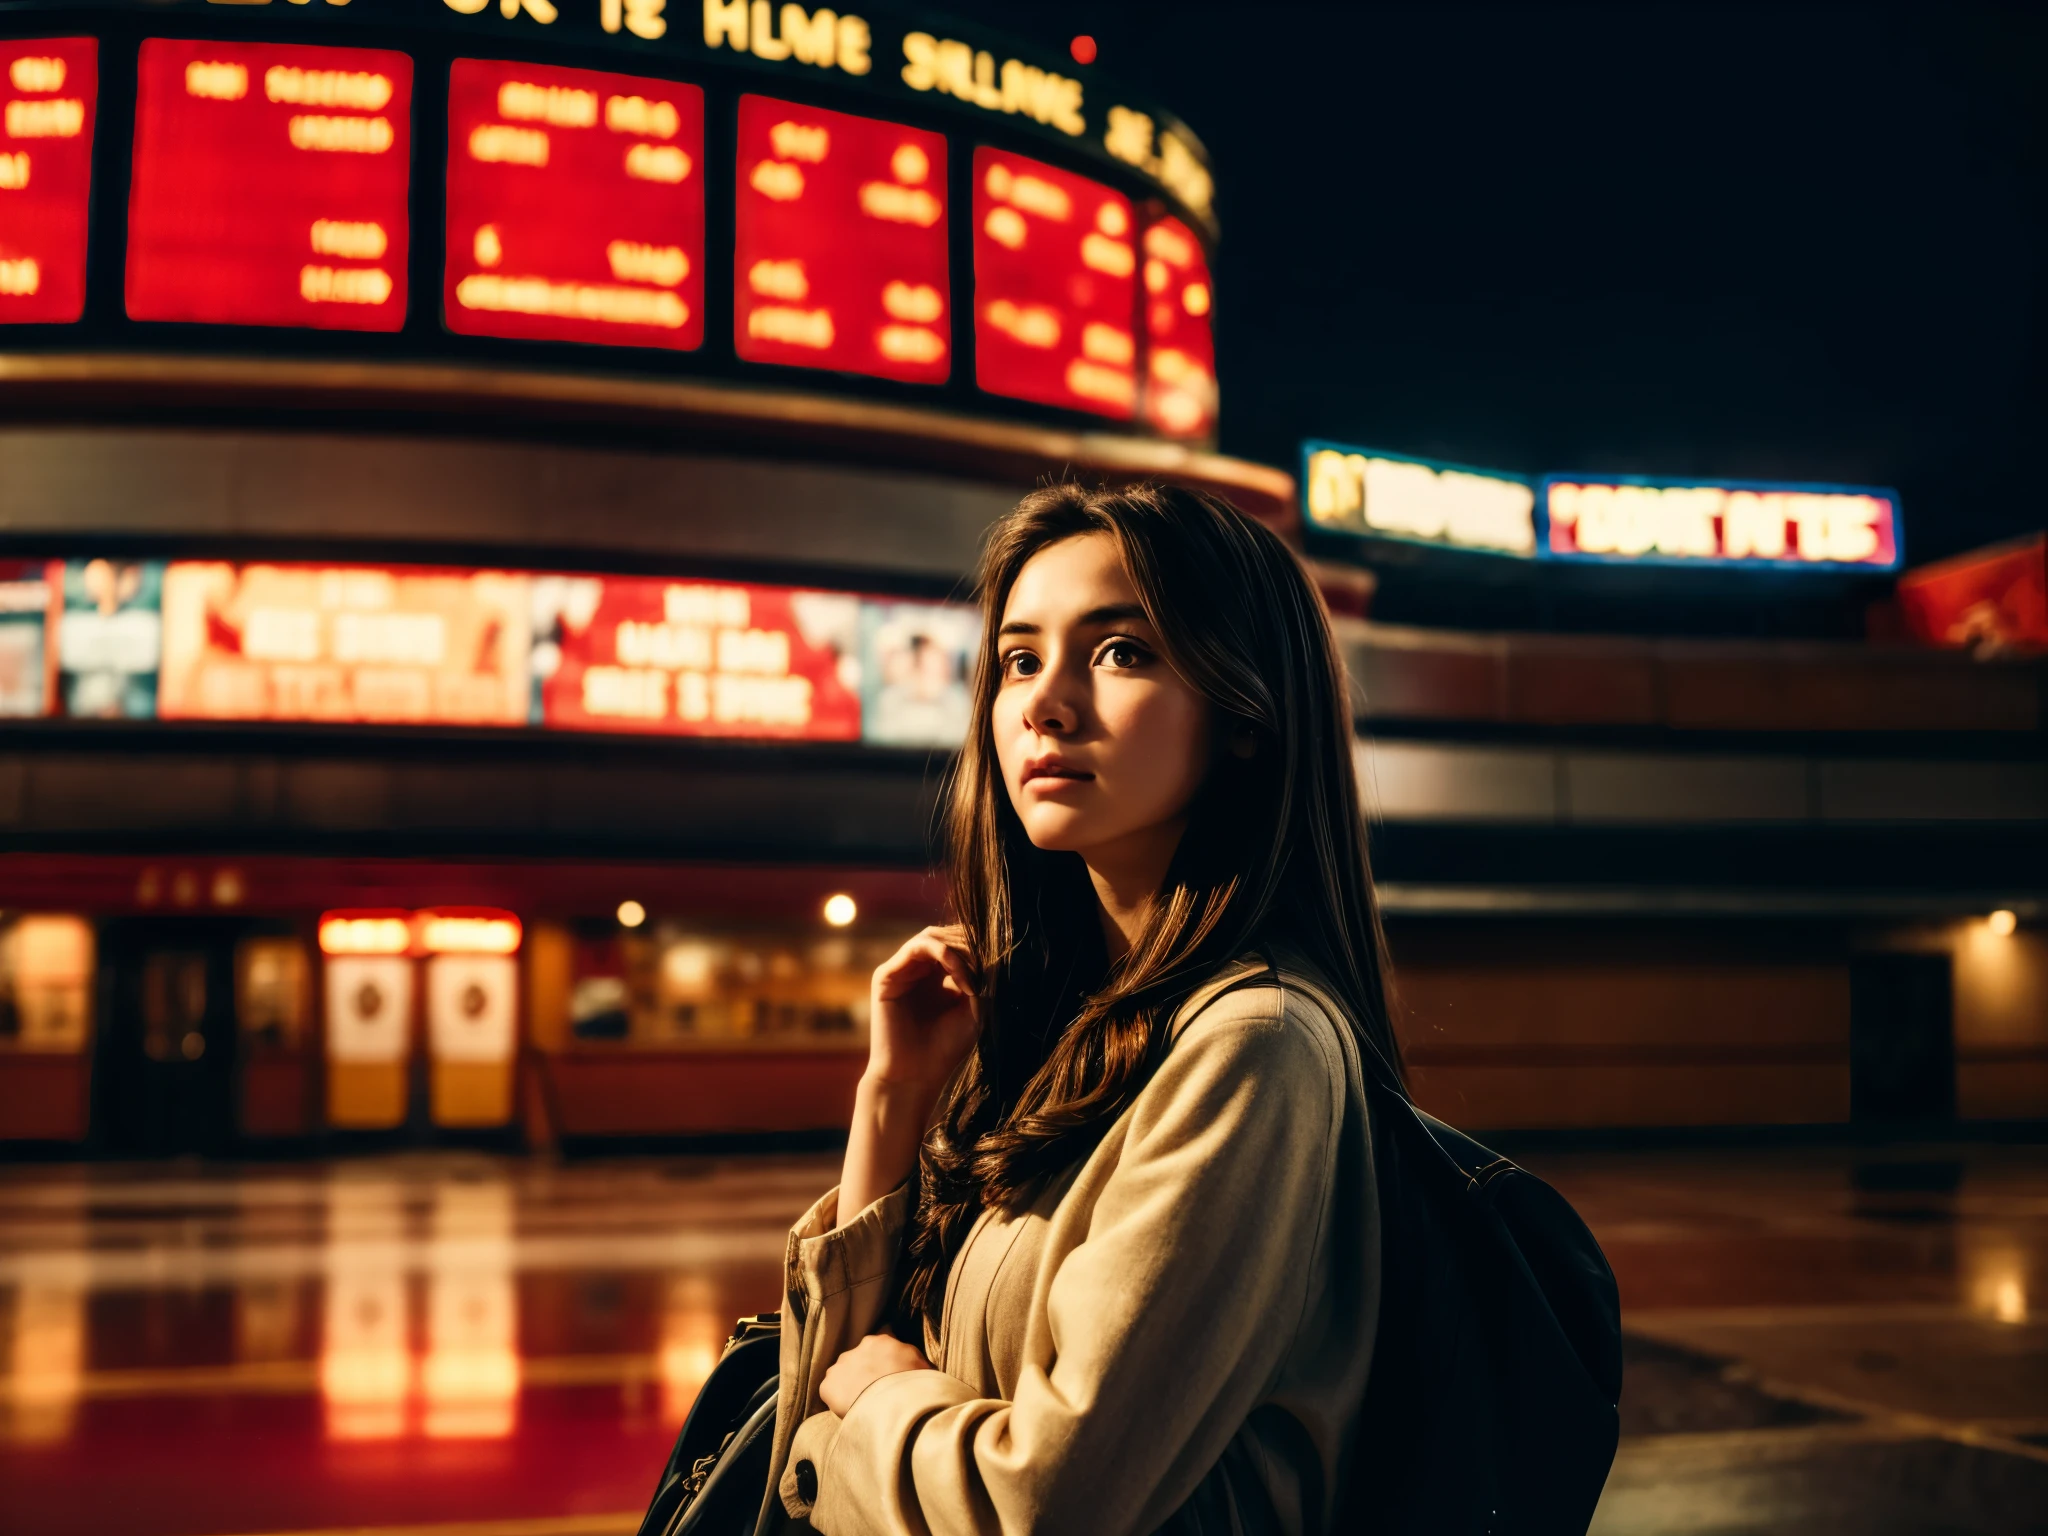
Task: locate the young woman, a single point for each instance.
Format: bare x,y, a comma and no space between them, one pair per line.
1109,1164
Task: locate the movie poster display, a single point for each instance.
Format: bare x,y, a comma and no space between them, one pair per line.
24,619
110,638
362,644
917,670
692,658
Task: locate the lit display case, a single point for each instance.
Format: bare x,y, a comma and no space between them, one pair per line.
684,985
46,972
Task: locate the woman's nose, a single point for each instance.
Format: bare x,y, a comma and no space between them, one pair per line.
1048,707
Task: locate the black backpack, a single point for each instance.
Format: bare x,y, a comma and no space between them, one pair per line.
1492,1403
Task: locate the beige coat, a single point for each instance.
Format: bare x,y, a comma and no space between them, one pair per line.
1191,1307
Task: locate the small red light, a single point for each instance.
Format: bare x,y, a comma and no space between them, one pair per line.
1083,49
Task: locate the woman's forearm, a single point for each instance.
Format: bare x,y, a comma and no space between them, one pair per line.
889,1120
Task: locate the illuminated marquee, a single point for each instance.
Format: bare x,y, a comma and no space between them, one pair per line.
839,243
1180,342
1685,522
1384,495
575,206
1055,286
49,88
270,185
434,931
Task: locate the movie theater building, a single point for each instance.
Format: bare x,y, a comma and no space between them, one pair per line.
485,493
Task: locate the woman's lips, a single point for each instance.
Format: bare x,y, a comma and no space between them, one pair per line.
1049,775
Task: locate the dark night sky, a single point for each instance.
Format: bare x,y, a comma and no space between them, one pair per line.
1748,241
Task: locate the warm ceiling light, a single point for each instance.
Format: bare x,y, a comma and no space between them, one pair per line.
840,910
631,914
1083,49
2002,922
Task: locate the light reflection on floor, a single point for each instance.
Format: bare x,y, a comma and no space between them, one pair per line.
505,1347
393,1342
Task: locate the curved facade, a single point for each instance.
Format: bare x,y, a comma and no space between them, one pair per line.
486,494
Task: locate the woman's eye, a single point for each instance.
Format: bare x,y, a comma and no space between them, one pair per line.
1122,653
1020,664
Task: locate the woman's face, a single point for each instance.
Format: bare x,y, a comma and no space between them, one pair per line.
1101,742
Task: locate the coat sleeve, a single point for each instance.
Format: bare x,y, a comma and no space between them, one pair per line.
1168,1321
838,1285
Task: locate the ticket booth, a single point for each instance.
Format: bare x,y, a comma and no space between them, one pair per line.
411,997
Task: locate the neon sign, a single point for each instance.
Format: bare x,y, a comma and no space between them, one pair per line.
1615,519
1386,495
1739,523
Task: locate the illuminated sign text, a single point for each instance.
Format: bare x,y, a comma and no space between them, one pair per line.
821,37
1366,492
264,177
971,75
50,87
840,253
1055,286
575,206
1738,524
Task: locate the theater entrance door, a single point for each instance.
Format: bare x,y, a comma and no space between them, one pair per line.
165,1068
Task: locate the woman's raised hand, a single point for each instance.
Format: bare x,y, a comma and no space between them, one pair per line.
926,1015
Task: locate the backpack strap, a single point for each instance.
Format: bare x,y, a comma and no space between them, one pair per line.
1260,969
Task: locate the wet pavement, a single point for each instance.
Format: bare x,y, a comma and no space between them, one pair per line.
1820,1341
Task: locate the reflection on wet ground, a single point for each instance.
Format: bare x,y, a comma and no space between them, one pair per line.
1820,1342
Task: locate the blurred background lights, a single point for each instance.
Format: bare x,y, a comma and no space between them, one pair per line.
2002,922
631,914
1083,49
840,910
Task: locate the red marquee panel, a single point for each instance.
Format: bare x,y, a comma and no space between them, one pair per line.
1055,286
1180,343
270,185
49,90
839,244
575,206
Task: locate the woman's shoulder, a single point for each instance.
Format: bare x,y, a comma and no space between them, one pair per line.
1275,1009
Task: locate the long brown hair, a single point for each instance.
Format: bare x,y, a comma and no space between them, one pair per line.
1274,848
